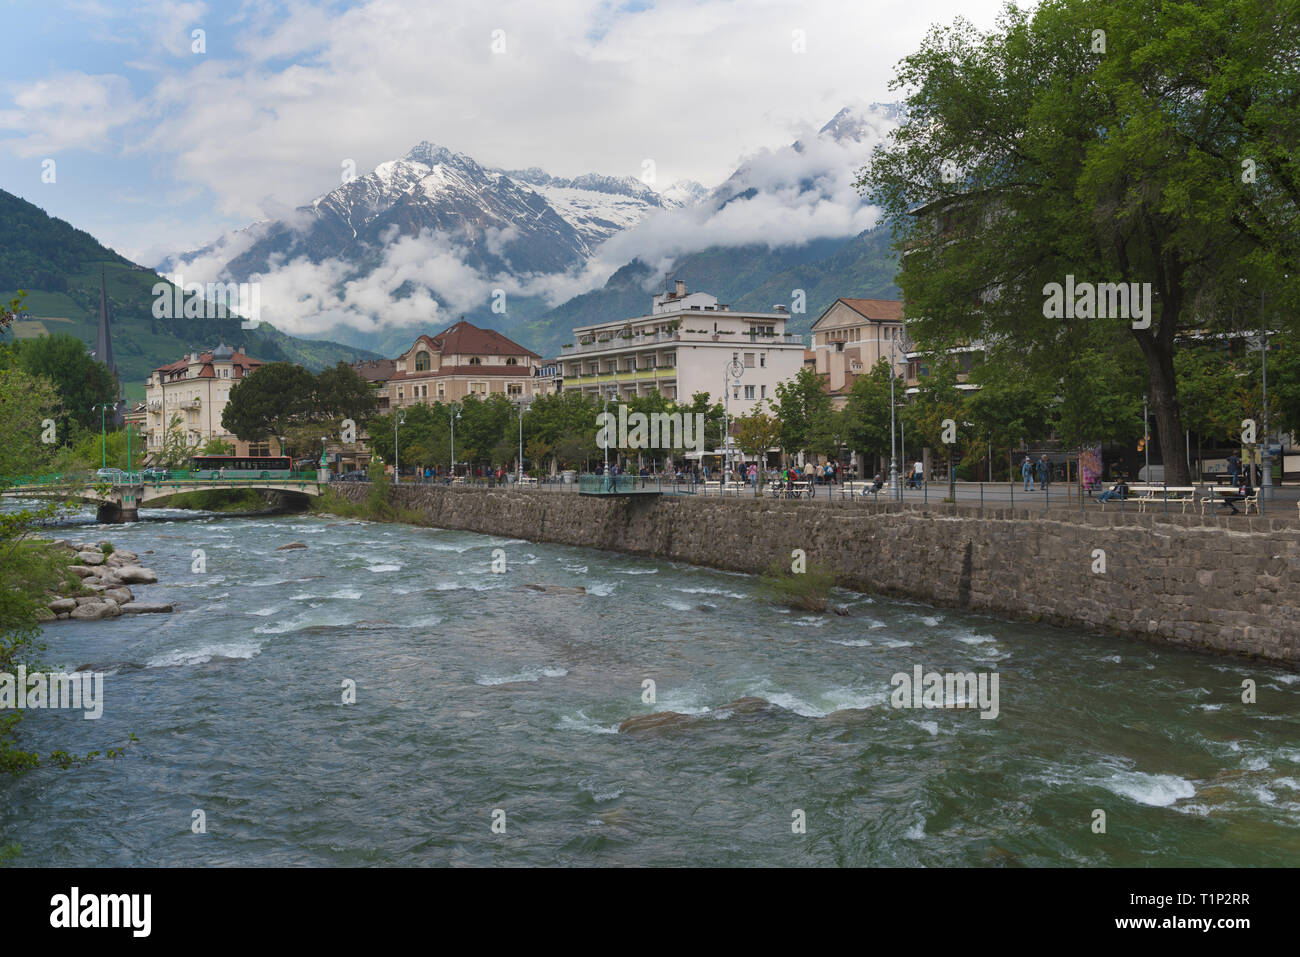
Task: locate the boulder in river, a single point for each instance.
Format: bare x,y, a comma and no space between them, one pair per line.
649,722
121,595
285,548
62,604
91,611
91,558
671,719
146,608
135,575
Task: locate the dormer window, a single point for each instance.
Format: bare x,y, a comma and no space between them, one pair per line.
422,361
475,361
512,361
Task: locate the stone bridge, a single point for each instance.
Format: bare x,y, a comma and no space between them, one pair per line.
120,500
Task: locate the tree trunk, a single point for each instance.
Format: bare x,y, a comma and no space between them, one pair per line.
1159,353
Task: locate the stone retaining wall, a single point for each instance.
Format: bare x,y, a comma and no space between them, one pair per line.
1229,585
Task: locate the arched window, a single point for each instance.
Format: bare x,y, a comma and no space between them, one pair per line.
512,361
475,361
422,361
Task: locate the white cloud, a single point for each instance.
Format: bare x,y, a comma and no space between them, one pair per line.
68,111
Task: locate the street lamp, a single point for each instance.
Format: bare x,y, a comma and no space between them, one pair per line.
1146,439
893,453
519,472
732,370
452,417
103,408
399,419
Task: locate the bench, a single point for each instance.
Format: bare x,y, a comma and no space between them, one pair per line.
860,489
1217,497
528,482
1183,495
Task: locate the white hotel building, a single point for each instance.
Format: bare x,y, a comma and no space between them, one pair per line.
683,347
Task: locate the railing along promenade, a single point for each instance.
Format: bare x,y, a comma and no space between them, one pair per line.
1284,503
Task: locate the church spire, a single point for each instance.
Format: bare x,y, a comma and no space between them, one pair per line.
104,347
104,342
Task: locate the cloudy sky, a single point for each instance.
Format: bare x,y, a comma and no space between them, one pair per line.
161,142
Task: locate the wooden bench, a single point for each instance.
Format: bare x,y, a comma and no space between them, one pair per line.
1218,492
859,489
1183,495
528,482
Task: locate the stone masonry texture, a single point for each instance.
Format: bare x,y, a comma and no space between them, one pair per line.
1227,585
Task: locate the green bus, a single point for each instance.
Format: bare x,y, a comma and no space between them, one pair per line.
241,466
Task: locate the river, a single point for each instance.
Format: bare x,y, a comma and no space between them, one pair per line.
479,700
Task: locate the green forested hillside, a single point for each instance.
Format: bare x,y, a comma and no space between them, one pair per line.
59,266
745,277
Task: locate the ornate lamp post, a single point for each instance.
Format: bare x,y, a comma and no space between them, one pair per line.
399,419
452,417
519,472
103,408
733,370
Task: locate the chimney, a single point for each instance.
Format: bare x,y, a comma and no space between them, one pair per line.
779,307
679,288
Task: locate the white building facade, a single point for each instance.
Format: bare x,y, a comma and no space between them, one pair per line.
684,346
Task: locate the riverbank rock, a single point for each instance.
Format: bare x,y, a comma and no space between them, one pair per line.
146,608
121,595
95,610
81,571
135,575
62,604
285,548
558,589
91,558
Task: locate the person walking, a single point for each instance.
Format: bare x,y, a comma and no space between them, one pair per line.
1044,468
1234,467
1027,470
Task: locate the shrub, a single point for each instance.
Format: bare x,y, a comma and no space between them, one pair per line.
807,591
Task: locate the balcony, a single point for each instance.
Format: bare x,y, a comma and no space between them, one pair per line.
614,378
191,405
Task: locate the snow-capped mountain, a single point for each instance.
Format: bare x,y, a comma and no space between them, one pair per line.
523,221
432,234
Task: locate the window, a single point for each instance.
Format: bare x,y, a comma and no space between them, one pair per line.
478,388
762,392
749,360
512,361
475,361
514,389
442,390
422,361
762,361
749,392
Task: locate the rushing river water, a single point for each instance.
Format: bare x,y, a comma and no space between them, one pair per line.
475,694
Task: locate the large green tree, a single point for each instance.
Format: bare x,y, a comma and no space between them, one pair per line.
1115,141
269,401
867,411
804,409
81,381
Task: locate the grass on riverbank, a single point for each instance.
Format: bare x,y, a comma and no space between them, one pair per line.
809,590
376,507
220,500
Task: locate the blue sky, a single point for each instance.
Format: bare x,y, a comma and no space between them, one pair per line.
158,148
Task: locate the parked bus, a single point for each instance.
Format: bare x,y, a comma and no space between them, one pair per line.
241,466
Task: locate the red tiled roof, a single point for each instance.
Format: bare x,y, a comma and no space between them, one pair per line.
462,338
241,362
375,370
881,310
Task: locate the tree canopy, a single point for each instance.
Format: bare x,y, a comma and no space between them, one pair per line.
1112,141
